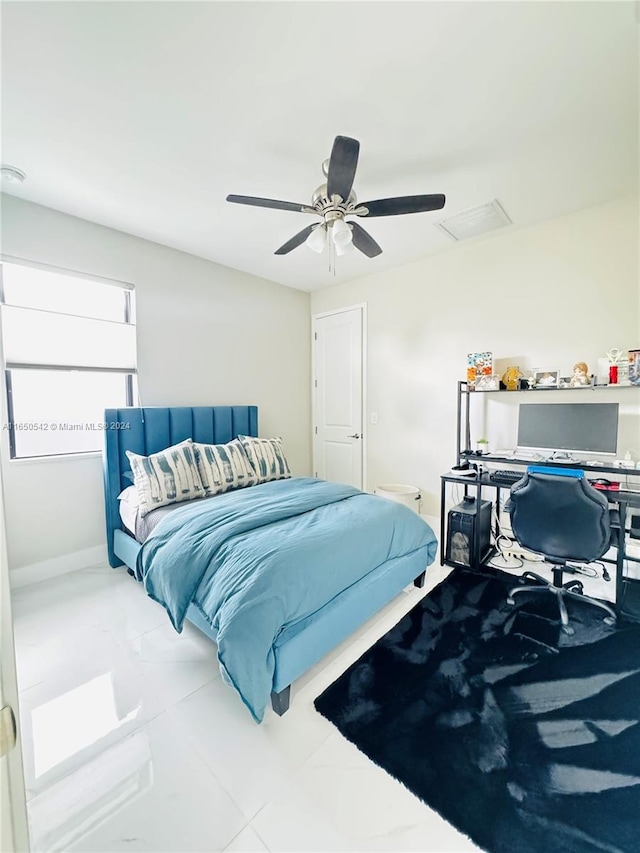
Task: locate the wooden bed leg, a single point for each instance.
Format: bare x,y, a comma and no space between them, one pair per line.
280,701
419,581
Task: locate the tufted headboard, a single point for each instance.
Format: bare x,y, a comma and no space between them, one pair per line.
148,430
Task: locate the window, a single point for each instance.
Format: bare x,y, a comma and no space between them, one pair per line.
70,352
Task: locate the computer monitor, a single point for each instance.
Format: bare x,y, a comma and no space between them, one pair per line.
569,427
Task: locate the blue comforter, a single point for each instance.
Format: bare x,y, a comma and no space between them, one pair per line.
257,560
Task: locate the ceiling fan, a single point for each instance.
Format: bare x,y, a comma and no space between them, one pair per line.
335,200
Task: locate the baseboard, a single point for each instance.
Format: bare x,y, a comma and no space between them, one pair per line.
56,566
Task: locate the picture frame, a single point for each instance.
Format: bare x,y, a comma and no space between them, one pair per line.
546,378
487,383
478,364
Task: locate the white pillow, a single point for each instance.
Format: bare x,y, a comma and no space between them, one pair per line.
223,467
129,495
129,506
267,457
167,477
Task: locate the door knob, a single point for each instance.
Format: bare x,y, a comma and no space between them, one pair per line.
355,435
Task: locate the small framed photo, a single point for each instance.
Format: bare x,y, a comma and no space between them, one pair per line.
487,383
546,378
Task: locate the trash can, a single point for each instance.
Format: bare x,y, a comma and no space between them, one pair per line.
401,493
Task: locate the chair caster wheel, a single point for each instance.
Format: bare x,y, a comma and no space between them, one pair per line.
510,600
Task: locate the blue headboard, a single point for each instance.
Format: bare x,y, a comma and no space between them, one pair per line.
148,430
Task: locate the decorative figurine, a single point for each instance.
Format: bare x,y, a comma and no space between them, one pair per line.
614,355
580,375
511,377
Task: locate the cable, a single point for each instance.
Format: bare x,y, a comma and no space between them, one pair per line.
605,574
510,562
496,519
584,570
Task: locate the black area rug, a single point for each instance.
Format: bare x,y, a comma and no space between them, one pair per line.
522,737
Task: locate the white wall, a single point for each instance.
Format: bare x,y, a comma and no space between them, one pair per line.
546,296
206,335
550,295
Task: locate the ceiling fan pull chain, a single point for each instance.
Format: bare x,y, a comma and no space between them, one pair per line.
332,254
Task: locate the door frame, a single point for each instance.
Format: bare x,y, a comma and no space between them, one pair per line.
15,829
13,807
362,307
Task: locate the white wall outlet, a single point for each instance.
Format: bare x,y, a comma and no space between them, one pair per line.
374,417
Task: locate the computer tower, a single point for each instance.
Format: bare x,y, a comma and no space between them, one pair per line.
461,532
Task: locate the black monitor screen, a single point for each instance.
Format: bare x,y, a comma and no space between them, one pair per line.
583,427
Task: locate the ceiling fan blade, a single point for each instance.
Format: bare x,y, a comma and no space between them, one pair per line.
364,241
269,202
403,204
295,241
342,166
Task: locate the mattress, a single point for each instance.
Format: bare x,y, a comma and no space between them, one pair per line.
141,527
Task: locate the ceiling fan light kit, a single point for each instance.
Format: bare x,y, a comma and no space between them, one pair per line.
336,200
341,236
341,233
343,250
317,239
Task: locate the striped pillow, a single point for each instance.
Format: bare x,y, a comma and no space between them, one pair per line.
223,467
267,457
167,477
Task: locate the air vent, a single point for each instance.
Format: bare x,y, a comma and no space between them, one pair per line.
475,221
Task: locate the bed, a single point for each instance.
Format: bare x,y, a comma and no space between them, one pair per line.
317,544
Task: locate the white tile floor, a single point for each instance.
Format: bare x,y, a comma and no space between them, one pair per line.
132,741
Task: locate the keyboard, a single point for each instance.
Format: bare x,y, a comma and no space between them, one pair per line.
505,477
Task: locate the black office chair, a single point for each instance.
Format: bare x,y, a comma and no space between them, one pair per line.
556,512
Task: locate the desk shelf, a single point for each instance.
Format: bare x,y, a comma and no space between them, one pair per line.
630,607
463,436
627,589
547,390
480,458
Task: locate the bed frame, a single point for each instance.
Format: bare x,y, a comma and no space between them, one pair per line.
148,430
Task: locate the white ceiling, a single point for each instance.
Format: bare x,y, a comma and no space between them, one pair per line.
143,116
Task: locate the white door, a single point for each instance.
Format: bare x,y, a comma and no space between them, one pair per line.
13,818
338,396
